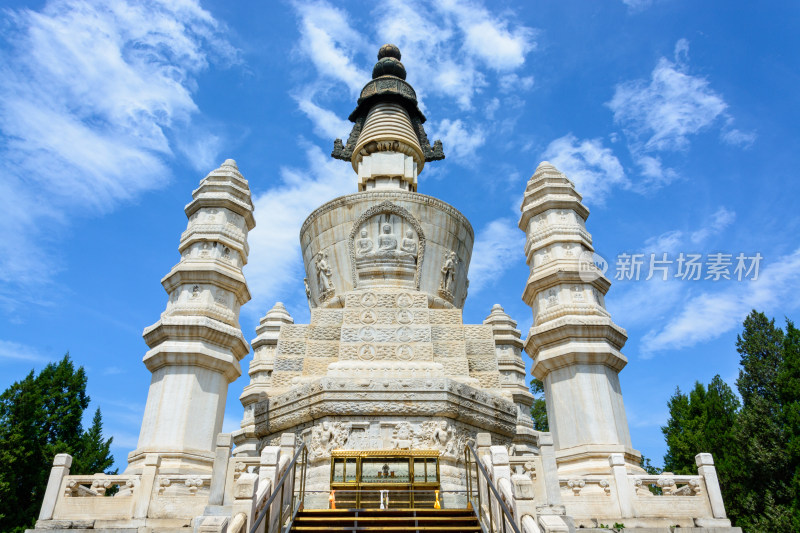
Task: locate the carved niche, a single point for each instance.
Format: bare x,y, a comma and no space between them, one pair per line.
387,247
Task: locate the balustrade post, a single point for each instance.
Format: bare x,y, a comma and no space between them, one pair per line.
219,472
706,468
624,489
60,470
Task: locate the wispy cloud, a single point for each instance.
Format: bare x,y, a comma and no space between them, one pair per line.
88,92
662,114
664,110
453,55
20,352
275,268
643,302
462,144
593,168
497,245
709,314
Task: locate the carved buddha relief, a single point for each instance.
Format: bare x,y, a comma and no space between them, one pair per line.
386,248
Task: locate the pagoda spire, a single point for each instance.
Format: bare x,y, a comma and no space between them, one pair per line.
196,345
574,344
388,146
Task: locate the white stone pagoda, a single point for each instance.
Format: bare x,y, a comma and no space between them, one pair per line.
386,389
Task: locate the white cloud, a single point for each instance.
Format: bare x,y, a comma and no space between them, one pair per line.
497,245
663,112
513,82
330,43
718,221
327,124
442,54
642,301
275,268
489,38
737,137
88,92
669,107
594,169
653,172
20,352
710,314
458,141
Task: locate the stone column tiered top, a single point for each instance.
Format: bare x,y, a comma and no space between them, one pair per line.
196,346
574,344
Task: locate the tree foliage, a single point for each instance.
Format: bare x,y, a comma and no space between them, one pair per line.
41,416
539,407
755,442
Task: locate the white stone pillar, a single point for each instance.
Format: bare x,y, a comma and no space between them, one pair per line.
574,344
508,348
706,468
196,346
60,470
624,489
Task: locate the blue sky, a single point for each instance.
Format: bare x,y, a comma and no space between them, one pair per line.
676,119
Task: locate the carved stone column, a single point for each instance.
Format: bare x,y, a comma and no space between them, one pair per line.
508,347
261,367
196,346
574,344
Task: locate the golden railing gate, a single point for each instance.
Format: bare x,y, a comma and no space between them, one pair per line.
394,479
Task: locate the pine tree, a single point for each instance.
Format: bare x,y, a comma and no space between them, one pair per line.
758,494
702,421
40,416
539,407
789,397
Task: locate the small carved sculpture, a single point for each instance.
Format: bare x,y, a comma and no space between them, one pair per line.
387,242
364,245
324,274
409,244
308,289
448,272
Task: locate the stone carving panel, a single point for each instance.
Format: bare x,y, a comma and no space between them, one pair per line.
326,437
386,244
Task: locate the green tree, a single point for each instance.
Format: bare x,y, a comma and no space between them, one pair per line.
759,467
539,407
40,416
702,421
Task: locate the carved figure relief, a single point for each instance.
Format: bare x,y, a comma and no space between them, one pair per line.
329,436
368,317
409,243
369,299
364,245
386,243
577,293
404,300
324,273
308,289
552,298
402,436
448,271
196,291
403,334
367,334
405,352
404,316
366,352
568,250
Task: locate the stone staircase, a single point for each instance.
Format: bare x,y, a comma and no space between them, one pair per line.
407,520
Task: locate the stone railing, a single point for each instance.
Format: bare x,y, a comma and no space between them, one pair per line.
543,502
225,500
